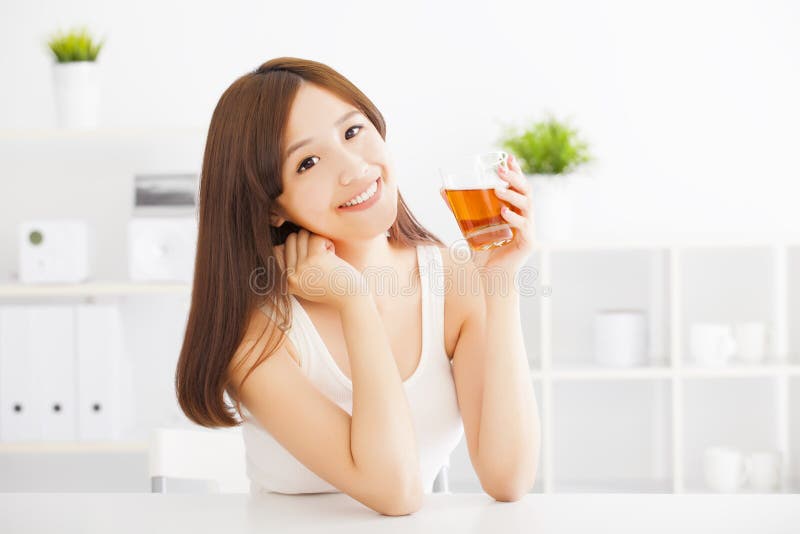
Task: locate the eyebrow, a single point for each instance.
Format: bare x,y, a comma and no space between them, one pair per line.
299,144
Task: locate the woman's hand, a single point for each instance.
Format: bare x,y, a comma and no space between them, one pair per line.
314,271
519,216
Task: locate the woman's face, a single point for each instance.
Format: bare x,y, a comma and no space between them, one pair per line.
342,155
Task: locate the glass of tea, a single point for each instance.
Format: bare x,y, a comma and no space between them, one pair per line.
469,183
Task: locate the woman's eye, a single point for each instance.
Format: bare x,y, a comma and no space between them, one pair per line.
303,167
356,126
303,164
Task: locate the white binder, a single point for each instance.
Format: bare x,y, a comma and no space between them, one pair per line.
20,417
52,346
99,355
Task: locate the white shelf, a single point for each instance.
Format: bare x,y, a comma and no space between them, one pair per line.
741,371
605,373
589,372
93,288
662,244
73,447
44,134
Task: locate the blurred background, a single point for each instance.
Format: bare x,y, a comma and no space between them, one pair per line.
662,333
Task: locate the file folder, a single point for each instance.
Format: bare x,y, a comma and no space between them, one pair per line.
99,355
52,347
20,417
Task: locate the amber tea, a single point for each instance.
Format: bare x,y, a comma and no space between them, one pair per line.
478,214
469,186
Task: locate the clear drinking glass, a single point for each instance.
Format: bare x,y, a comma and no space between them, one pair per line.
469,183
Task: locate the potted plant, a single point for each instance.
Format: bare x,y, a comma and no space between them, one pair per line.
75,78
549,152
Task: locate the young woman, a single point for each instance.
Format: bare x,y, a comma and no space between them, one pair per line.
340,382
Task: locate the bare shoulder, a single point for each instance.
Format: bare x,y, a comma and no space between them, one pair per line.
461,290
461,277
260,331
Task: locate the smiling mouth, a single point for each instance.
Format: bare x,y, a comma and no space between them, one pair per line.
364,196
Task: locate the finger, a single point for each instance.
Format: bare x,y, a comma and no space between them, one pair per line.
514,179
302,244
318,243
514,219
290,252
513,163
278,251
517,200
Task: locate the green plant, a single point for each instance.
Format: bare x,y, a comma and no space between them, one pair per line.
546,147
75,45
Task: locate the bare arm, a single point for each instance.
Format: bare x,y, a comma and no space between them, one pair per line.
371,455
382,431
508,443
495,392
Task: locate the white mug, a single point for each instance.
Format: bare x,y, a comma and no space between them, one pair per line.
765,471
726,470
711,343
751,340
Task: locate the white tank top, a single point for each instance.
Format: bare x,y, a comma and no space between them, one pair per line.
430,391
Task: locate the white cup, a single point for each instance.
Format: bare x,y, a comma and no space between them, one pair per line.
765,471
751,340
726,470
711,344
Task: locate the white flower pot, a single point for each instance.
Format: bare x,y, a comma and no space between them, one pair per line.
552,206
77,93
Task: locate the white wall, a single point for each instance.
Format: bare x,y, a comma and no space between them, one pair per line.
690,107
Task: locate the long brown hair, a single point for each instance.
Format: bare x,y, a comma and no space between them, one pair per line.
240,179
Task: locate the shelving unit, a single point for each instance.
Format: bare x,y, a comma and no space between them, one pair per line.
90,174
658,416
156,306
562,368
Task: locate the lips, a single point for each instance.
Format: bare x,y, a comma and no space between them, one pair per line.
364,196
342,205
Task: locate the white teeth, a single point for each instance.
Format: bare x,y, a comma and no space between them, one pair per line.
366,195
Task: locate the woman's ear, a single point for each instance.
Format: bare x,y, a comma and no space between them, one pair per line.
276,220
276,216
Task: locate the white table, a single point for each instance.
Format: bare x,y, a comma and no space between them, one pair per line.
442,513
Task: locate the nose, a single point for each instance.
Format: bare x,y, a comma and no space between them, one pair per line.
353,168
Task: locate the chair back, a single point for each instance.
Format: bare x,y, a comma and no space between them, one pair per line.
197,461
